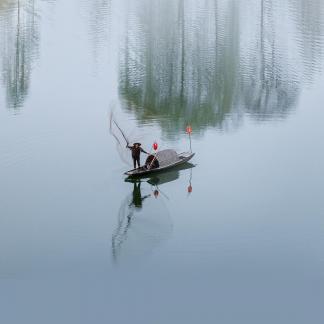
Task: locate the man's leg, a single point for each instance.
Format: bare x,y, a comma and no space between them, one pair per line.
134,163
138,162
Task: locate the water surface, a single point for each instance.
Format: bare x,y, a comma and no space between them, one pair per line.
237,237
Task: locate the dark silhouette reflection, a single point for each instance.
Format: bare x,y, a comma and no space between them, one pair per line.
212,62
137,196
172,175
143,218
18,48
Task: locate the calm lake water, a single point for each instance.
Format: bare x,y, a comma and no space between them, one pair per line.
237,237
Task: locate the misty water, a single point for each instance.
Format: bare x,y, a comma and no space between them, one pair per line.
236,237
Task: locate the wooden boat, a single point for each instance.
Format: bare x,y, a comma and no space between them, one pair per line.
167,159
160,178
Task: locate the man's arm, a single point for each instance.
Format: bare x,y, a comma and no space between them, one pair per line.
144,151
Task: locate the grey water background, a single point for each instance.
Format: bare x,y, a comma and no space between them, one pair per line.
246,245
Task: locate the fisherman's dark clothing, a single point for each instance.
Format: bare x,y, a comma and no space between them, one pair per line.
136,160
152,162
136,153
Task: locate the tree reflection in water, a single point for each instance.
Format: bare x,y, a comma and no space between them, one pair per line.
143,220
18,48
98,15
212,62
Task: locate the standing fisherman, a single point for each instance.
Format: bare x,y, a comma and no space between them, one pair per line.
136,152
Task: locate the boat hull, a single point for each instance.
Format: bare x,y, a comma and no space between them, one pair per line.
143,171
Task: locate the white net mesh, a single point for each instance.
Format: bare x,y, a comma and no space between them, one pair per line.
143,223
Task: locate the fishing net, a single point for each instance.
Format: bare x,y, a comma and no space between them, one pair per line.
124,138
121,140
143,223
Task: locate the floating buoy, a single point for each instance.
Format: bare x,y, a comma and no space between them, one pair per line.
155,146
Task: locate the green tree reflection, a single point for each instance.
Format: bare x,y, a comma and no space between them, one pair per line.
214,61
98,15
19,48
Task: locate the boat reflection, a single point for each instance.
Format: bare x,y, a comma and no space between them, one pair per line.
144,221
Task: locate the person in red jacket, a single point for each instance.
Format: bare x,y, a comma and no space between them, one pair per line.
136,153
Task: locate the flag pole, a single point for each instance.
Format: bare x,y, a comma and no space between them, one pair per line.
189,131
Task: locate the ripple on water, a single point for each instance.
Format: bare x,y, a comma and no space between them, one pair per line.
212,63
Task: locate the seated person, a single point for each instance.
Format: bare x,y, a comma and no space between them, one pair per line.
151,162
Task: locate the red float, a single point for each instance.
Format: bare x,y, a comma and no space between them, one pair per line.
155,146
